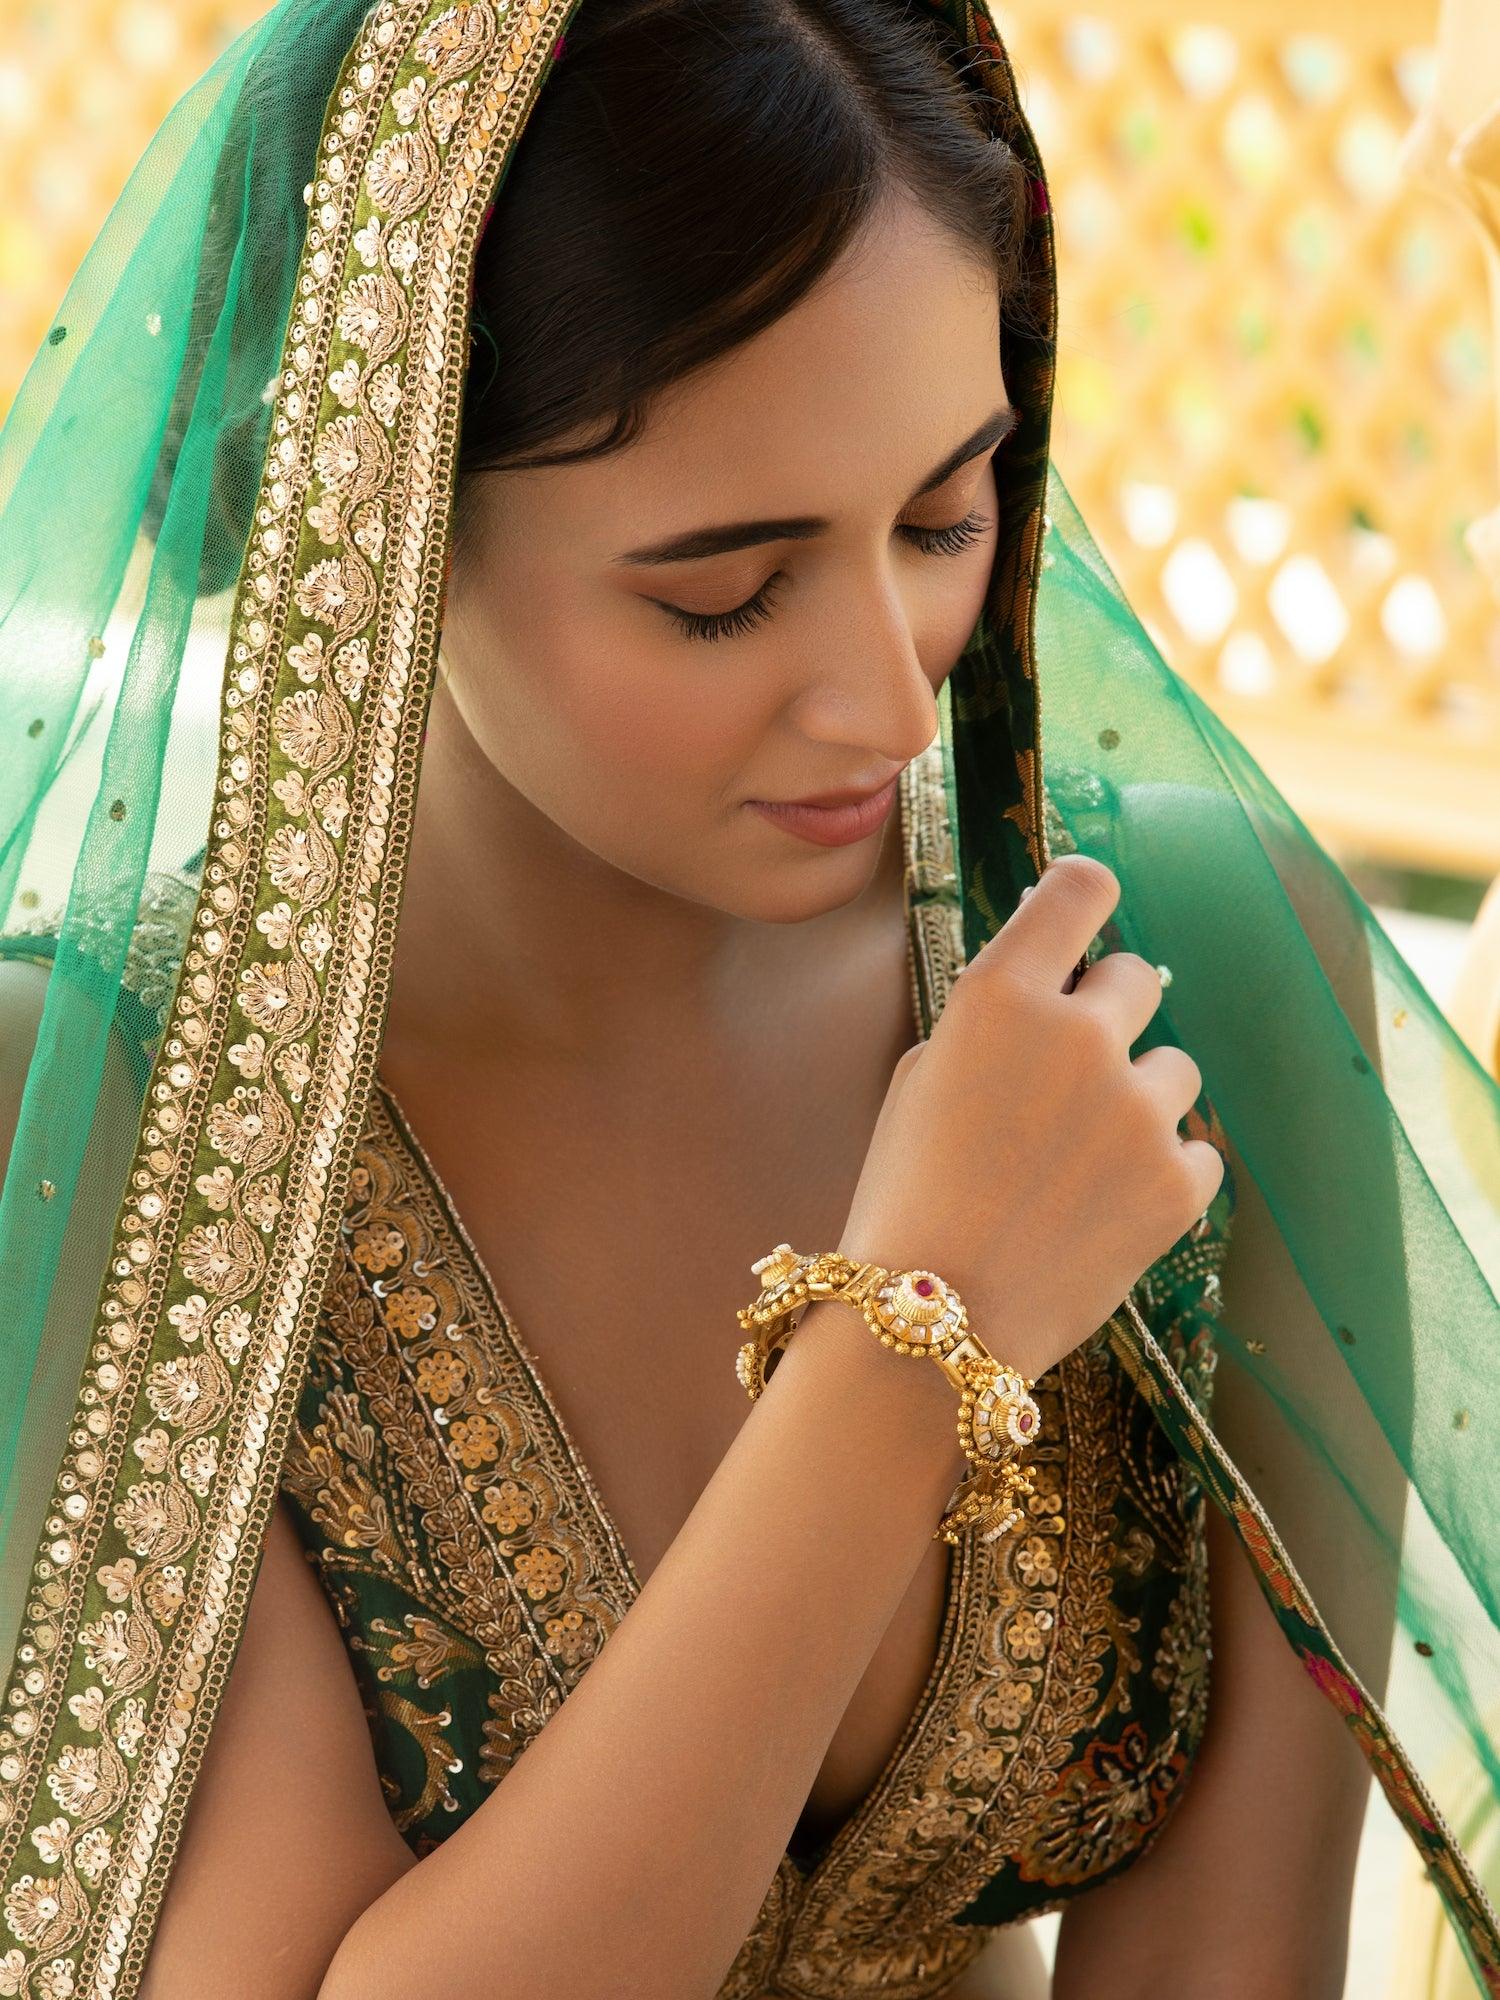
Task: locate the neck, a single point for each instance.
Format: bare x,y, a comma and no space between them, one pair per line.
517,943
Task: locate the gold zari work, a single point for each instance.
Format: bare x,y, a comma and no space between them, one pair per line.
476,1573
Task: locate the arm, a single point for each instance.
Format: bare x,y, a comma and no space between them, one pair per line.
1255,1867
630,1849
287,1837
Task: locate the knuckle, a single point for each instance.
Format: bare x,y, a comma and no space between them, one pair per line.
1095,1041
1168,1064
1140,968
1198,1178
990,978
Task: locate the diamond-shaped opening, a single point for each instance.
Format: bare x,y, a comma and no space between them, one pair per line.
1090,48
1411,617
1044,114
1316,67
1416,260
1463,358
1088,393
1367,156
1136,317
1197,418
1254,141
1137,129
1149,512
1199,590
20,98
1406,442
1415,71
1308,609
1246,666
147,37
1204,59
1258,529
1369,554
1091,217
1250,323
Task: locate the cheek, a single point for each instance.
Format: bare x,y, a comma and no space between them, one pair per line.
595,718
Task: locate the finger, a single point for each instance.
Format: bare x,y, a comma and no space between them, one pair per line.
1052,925
1206,1163
1125,989
1172,1077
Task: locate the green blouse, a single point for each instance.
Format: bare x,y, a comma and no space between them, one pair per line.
475,1572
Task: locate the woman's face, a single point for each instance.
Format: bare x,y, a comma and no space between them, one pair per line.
583,658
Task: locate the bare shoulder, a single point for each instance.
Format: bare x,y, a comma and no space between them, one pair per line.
287,1839
23,993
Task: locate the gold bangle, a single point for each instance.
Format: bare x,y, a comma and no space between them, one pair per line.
915,1312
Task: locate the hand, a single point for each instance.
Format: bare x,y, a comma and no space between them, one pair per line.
1020,1153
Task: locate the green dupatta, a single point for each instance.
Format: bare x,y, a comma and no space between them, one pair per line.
166,480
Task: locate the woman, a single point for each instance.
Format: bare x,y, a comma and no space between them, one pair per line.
494,1028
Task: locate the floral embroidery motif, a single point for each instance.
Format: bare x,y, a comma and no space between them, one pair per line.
476,1576
203,1329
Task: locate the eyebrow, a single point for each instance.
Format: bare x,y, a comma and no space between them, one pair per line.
700,542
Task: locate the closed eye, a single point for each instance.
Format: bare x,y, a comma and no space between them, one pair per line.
950,541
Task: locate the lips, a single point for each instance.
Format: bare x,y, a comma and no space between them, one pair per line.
834,824
851,795
849,798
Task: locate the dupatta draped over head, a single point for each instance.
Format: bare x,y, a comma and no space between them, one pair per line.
226,503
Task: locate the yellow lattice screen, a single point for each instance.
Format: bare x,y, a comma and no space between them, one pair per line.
1274,400
1274,403
83,85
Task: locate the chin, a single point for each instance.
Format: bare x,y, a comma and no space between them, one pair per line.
825,881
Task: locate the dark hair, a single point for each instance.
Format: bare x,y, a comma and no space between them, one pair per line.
689,172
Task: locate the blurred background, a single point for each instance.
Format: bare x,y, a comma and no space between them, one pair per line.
1276,409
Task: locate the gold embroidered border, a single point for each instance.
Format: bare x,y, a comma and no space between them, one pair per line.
419,163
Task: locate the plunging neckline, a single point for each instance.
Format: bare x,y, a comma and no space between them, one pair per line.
502,1324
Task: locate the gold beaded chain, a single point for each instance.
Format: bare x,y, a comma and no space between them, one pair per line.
914,1312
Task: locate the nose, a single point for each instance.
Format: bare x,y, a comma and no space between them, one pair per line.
869,690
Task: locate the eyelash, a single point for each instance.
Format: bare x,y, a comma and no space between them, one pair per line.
949,541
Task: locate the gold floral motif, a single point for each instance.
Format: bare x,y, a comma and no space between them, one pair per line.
489,1560
1037,1652
285,958
265,945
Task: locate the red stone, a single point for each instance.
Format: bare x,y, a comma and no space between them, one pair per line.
923,1288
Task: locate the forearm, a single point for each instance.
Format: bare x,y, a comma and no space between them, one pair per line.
629,1850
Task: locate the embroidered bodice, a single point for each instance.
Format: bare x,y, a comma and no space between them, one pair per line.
475,1575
